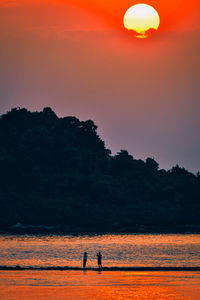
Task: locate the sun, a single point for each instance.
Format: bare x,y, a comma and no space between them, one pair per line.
142,19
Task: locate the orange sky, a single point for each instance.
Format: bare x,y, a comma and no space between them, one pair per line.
75,56
174,14
171,12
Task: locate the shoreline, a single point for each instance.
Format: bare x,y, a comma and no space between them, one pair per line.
116,269
78,232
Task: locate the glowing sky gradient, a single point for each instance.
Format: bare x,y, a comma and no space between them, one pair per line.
76,57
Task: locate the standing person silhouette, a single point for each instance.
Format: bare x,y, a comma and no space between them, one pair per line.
99,260
84,259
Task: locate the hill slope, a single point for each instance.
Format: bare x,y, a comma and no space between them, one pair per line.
57,171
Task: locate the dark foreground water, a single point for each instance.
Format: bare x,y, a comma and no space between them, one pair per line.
118,250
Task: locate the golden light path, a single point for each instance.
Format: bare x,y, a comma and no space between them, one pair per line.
141,18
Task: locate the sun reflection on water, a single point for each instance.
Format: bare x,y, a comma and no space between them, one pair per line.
34,285
117,250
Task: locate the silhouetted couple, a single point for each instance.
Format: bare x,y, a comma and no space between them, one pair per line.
99,260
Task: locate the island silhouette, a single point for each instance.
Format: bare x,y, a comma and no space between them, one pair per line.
56,175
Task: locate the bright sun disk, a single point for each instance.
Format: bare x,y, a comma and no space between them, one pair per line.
141,18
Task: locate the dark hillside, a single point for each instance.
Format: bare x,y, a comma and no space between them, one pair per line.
57,172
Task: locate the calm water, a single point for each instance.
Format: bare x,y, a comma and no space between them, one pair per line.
76,285
117,250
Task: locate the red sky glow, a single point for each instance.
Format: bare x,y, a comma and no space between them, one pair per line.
77,57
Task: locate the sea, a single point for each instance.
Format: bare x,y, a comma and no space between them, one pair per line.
133,250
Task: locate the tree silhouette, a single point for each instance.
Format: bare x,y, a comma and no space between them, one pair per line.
150,162
57,171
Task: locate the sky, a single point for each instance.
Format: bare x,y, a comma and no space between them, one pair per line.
76,57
